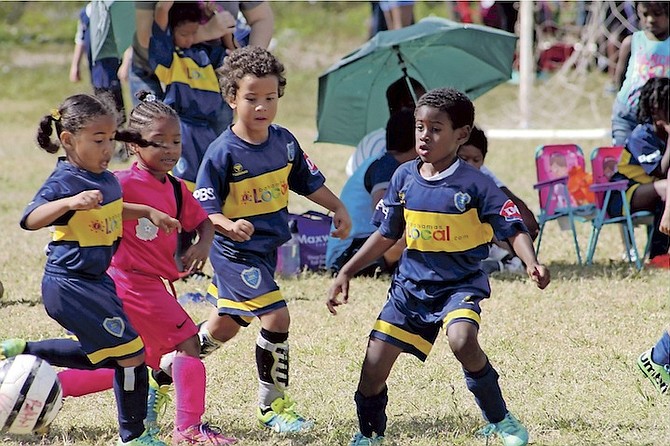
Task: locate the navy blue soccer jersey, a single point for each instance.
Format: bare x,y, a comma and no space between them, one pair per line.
641,156
243,180
83,242
448,223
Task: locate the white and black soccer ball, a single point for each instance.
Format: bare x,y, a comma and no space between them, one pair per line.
30,394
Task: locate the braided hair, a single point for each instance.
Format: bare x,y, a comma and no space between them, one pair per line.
654,97
75,113
143,116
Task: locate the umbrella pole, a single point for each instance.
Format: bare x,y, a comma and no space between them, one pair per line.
403,68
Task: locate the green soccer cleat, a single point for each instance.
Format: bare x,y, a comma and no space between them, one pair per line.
510,431
11,347
361,440
281,417
157,401
146,439
659,375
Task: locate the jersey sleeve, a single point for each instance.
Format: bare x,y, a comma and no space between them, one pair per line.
51,190
161,49
192,214
305,177
211,184
389,214
644,145
496,209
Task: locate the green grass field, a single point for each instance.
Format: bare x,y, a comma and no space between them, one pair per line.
566,355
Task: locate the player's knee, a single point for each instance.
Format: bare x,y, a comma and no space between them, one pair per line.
190,346
278,320
135,361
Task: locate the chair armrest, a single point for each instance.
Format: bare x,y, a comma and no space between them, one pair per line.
614,185
553,181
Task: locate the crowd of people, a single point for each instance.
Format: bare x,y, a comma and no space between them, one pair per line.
210,180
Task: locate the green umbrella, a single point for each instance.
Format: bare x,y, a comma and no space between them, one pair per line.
435,51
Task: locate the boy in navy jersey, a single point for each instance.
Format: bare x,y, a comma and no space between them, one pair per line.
243,184
448,213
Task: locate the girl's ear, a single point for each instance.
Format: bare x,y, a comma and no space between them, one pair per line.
67,139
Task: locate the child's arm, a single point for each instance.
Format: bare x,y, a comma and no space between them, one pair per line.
523,247
664,226
238,231
134,211
622,62
372,249
161,13
79,49
196,255
221,24
47,213
341,220
526,214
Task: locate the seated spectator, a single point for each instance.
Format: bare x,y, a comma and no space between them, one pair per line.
501,257
398,97
365,189
644,163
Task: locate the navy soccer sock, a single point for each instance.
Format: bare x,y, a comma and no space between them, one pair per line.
371,411
131,387
661,351
484,386
61,352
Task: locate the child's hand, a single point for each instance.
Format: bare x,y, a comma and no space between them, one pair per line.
195,257
340,285
664,226
342,223
164,221
539,274
240,231
83,201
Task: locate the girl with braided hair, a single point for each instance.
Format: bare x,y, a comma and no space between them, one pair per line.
644,163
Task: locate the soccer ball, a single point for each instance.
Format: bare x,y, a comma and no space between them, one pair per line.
30,394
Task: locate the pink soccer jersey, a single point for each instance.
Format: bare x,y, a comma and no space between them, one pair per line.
144,248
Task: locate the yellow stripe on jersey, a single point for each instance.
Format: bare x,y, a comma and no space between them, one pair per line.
186,71
409,338
119,351
94,227
633,171
250,305
462,313
259,195
436,232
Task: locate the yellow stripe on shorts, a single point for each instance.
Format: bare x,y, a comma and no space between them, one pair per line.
409,338
462,313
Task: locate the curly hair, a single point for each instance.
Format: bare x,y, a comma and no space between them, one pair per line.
654,97
455,104
75,113
252,60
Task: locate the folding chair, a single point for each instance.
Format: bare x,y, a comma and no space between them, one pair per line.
553,162
604,161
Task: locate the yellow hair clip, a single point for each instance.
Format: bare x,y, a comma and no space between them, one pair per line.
55,114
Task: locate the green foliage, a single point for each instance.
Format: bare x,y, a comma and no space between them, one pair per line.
31,24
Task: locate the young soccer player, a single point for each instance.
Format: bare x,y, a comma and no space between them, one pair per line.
244,184
82,200
448,212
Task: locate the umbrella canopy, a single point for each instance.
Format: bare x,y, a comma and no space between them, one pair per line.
435,51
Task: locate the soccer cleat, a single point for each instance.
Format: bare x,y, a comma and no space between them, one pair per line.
11,347
157,402
146,439
659,375
281,417
201,434
510,431
361,440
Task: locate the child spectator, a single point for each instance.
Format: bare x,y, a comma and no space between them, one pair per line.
448,212
501,257
644,164
243,184
365,188
82,200
643,55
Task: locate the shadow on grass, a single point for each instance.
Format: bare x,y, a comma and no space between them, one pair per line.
615,270
26,302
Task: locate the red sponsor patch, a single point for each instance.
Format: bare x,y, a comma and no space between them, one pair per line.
310,164
510,211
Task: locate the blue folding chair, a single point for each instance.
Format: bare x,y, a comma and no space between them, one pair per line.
603,165
553,162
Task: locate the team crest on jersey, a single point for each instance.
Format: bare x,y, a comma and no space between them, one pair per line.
114,326
310,164
510,211
238,169
251,277
461,200
290,151
145,230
